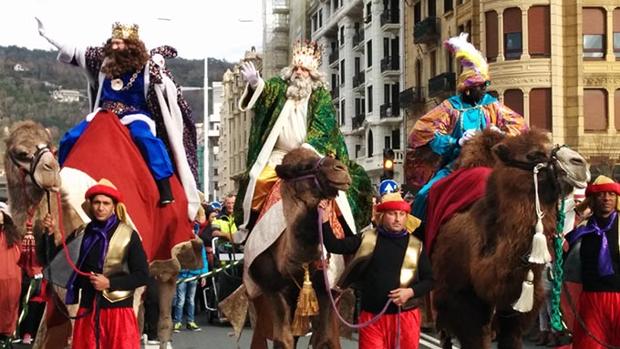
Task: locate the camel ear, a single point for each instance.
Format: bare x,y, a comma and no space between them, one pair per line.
502,152
284,171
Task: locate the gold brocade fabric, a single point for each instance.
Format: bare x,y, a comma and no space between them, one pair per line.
264,184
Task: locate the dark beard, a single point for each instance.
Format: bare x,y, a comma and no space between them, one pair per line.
120,62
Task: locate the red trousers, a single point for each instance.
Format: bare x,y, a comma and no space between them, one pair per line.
382,333
600,312
118,328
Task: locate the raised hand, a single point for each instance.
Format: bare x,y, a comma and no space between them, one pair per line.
43,33
250,74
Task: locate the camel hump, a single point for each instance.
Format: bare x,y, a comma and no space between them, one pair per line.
106,150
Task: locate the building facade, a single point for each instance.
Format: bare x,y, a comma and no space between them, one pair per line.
212,135
557,62
276,43
234,129
362,60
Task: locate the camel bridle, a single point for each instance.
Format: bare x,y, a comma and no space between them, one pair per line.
312,174
28,168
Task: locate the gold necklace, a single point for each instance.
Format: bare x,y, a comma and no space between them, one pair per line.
117,84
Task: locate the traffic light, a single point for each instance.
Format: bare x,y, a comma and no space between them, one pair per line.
388,164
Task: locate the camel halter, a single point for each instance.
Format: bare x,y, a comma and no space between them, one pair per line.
29,168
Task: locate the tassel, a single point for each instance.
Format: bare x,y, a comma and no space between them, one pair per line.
307,305
526,301
540,251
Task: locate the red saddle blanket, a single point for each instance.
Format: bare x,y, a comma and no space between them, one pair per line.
450,195
106,150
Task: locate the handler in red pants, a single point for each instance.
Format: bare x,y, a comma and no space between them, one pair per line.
389,264
112,253
599,303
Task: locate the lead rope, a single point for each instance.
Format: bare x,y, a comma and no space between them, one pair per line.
331,297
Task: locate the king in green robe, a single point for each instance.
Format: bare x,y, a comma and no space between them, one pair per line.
282,123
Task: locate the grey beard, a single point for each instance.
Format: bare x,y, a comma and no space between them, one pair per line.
299,88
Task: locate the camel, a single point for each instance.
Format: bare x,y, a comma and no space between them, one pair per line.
32,170
480,255
307,179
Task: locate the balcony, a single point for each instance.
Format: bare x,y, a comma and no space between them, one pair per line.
390,63
411,97
358,121
390,17
359,79
443,84
333,57
427,31
389,110
358,38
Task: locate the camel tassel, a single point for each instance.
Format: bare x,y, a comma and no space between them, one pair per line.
307,305
526,301
540,252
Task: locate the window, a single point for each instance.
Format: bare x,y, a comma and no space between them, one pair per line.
512,33
449,62
616,32
540,108
386,93
491,35
417,12
432,8
617,111
594,33
513,99
342,113
342,77
396,138
433,63
320,18
358,149
386,47
315,22
358,65
369,147
334,81
448,5
368,18
539,29
369,98
342,35
369,54
595,109
387,142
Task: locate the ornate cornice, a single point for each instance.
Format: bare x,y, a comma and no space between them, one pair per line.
601,80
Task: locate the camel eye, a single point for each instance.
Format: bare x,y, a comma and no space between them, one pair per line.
22,155
537,155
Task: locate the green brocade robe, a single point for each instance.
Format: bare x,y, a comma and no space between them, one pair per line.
322,133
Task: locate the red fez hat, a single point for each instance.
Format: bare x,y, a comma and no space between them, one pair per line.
104,187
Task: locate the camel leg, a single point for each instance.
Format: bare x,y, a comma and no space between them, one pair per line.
164,325
281,321
263,326
509,331
326,335
55,329
473,333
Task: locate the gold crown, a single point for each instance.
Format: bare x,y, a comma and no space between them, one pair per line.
123,31
307,54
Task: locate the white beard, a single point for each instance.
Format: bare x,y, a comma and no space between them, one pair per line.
299,87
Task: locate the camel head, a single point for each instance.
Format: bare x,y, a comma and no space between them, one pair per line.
29,155
560,166
311,177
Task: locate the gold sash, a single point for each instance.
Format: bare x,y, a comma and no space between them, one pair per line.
115,262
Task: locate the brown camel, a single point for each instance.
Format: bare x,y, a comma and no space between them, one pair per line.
31,170
307,179
480,256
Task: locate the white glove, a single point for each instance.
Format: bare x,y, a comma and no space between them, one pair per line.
469,134
44,34
496,129
250,74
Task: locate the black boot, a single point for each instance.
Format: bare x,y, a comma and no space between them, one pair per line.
165,192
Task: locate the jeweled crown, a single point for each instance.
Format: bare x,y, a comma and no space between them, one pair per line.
125,31
307,54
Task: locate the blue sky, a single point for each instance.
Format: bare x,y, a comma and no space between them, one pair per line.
217,28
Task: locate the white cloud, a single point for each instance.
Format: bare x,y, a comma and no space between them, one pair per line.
195,28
